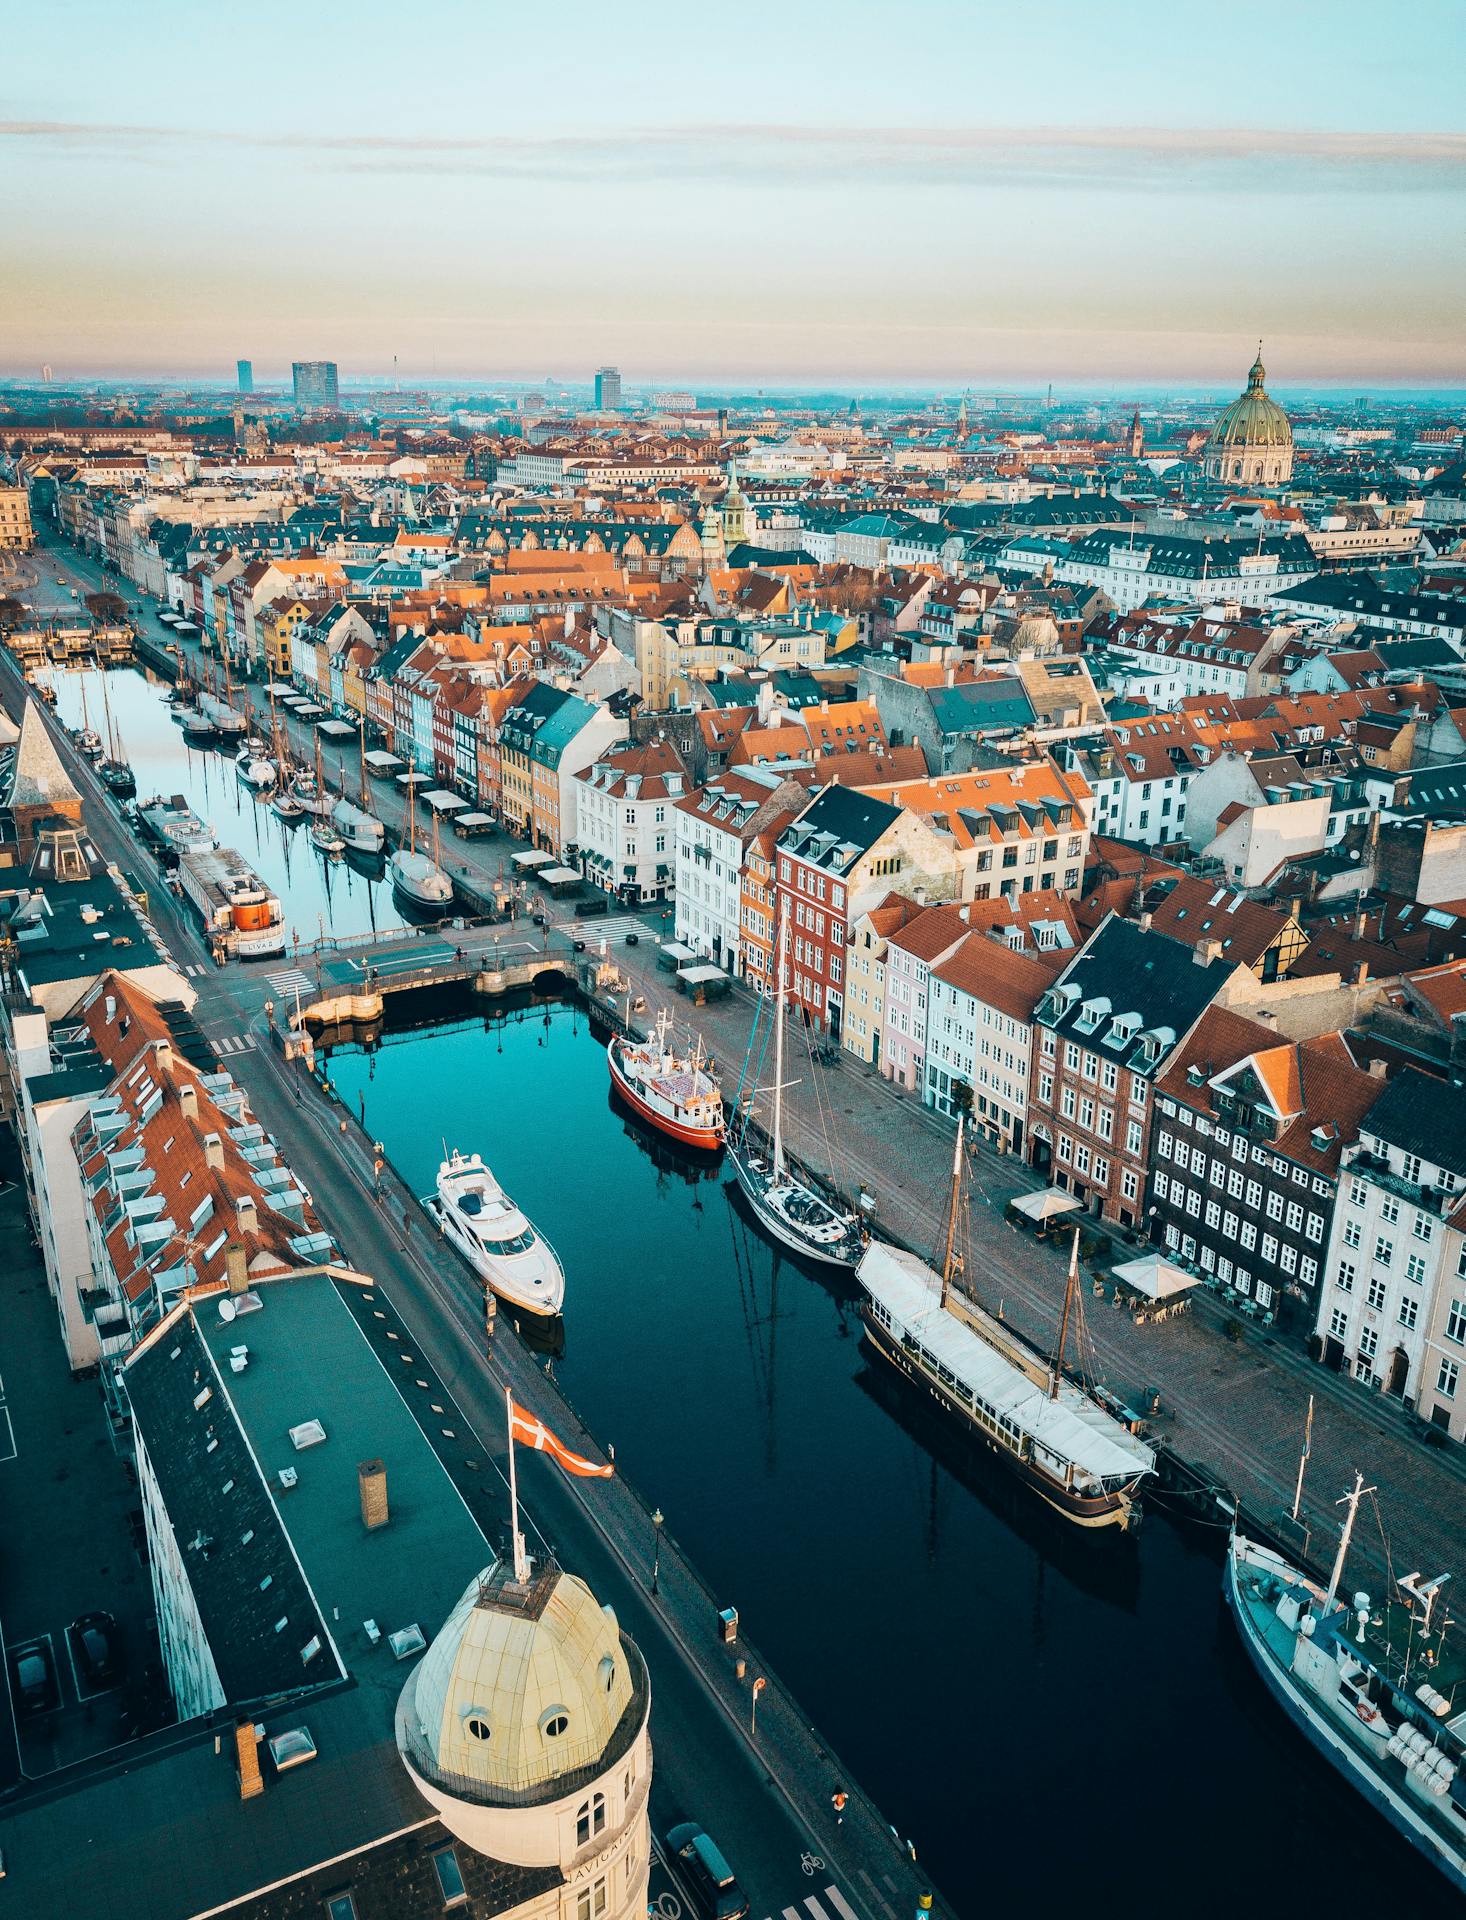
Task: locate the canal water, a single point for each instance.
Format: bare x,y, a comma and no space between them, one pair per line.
319,895
1059,1720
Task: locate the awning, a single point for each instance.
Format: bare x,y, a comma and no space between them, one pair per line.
702,976
1153,1276
1043,1206
412,778
444,800
477,821
532,858
559,876
336,729
382,762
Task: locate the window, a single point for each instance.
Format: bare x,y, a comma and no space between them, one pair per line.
1254,1193
1409,1309
1447,1379
1456,1322
590,1818
450,1878
1315,1226
1389,1210
1344,1278
1384,1250
1358,1193
1422,1228
590,1903
1376,1294
554,1723
1109,1076
1137,1090
1134,1135
1351,1233
1368,1344
1161,1185
1269,1248
1410,1167
1249,1235
1415,1269
1295,1217
1339,1323
1275,1206
1128,1186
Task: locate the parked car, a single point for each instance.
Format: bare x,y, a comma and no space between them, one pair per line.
96,1648
709,1878
33,1679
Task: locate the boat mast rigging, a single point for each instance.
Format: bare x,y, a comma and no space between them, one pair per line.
1056,1373
1351,1501
954,1201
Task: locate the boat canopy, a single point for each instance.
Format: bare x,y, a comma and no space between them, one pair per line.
1043,1206
1154,1277
1070,1427
444,800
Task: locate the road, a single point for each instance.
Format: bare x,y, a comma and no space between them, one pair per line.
762,1788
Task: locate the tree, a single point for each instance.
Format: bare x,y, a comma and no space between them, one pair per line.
12,612
107,609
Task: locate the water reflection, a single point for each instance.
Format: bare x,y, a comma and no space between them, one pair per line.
320,895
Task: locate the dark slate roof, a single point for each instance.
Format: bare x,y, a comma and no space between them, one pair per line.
1140,972
839,825
399,1881
229,1541
1199,556
975,706
1423,1116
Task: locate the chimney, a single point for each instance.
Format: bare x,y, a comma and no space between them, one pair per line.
1144,922
1360,974
163,1053
371,1483
236,1267
213,1152
188,1100
1376,1069
247,1214
1207,951
247,1752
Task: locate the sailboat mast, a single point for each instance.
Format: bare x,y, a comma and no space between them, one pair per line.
779,1048
361,748
952,1205
1351,1501
1058,1369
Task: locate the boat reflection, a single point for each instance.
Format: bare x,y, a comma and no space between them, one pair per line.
692,1164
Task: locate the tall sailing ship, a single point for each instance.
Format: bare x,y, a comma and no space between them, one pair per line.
788,1206
1041,1425
1376,1689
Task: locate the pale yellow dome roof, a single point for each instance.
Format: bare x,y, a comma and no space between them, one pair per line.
1254,419
523,1684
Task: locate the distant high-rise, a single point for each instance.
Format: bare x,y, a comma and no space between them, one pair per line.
315,383
245,369
608,389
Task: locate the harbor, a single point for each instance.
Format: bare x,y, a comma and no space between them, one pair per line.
780,1430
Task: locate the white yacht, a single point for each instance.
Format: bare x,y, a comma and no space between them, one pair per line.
496,1239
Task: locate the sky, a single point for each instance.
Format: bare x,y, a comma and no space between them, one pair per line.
940,192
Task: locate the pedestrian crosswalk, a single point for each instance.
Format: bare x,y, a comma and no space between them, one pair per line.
290,982
613,926
839,1908
195,968
234,1043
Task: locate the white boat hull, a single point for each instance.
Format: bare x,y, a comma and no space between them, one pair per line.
529,1278
844,1253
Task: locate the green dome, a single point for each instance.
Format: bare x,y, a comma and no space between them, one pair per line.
1253,419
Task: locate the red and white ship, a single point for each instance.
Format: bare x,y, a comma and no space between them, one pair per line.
670,1091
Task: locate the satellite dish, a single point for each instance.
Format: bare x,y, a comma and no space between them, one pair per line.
227,1311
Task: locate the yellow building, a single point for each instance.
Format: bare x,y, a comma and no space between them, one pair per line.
16,531
276,624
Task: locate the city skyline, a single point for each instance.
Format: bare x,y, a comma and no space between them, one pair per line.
965,209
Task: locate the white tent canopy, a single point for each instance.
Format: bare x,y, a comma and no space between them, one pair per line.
1043,1206
1154,1276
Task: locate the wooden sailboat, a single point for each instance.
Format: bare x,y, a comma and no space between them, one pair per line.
113,768
1049,1430
417,878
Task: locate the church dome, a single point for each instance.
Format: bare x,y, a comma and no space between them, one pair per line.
1254,419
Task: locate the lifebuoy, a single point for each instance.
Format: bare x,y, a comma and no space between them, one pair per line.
1367,1713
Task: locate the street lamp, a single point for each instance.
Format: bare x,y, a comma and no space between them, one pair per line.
658,1522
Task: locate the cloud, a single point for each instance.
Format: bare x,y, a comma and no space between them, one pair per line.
1224,159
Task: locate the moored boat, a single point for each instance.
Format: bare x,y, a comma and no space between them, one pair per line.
363,832
420,880
495,1236
1375,1689
669,1090
254,769
325,839
788,1206
173,826
242,918
1046,1428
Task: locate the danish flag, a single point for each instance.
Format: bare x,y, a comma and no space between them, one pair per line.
531,1432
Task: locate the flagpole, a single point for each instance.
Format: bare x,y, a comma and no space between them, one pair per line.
521,1571
1303,1458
